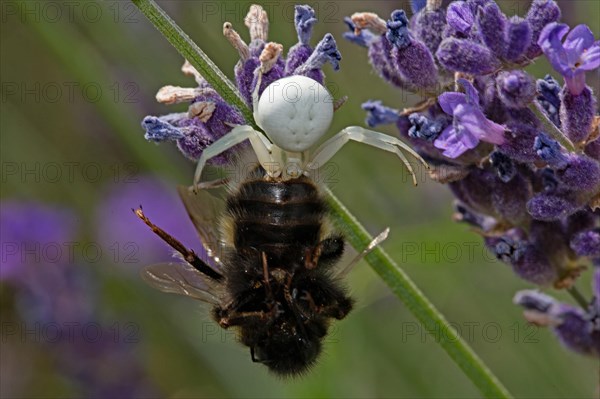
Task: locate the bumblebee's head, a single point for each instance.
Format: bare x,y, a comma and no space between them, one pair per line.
288,352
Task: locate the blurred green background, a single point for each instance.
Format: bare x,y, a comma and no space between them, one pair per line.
115,61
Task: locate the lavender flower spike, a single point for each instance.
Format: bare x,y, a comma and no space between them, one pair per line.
470,126
462,55
578,54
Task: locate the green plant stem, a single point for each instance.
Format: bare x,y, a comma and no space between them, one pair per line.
551,129
578,297
418,304
390,272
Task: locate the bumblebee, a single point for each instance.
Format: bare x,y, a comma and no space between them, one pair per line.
273,257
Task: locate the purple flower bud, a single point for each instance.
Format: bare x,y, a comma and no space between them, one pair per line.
580,173
587,243
516,88
550,151
460,16
527,261
518,39
540,14
571,325
549,206
576,333
474,190
397,30
363,38
519,142
466,56
491,23
592,149
157,130
379,52
424,128
325,52
510,199
244,77
379,114
191,135
577,114
428,27
504,166
304,19
549,98
409,56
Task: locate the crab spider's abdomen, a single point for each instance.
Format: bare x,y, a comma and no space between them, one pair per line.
295,112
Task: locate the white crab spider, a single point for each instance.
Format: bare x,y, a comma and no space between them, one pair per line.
295,112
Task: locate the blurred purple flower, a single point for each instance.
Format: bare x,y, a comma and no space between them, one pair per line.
26,229
136,245
470,124
577,55
575,328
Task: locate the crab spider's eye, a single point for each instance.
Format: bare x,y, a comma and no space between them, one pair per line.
295,112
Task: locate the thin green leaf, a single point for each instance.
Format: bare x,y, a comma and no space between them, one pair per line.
390,272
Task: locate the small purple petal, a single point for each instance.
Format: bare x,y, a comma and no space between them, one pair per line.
455,144
471,119
450,100
550,42
579,39
379,114
465,56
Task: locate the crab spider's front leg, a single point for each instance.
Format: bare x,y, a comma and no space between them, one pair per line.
328,149
260,144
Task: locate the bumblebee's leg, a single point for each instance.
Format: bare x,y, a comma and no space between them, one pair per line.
388,143
238,134
189,255
376,241
238,318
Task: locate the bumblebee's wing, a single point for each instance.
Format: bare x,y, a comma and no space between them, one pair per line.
357,257
204,208
182,279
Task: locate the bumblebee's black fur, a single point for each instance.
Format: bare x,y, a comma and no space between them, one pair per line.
278,232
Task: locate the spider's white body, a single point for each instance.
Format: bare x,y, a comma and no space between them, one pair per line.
295,112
